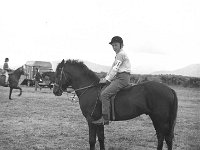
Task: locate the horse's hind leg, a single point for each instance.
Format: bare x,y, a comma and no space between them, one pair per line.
159,131
50,85
100,134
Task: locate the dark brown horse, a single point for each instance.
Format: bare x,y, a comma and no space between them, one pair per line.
151,98
13,80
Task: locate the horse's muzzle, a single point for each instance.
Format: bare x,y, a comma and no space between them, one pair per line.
57,90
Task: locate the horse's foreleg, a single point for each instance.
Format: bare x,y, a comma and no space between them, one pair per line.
92,135
100,134
10,93
169,141
160,137
20,91
11,88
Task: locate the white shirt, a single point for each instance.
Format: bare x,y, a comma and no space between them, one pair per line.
121,64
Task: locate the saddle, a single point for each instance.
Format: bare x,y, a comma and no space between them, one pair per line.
112,100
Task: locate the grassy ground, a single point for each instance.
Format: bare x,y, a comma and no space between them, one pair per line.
41,121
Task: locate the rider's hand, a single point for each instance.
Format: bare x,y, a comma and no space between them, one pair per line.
103,81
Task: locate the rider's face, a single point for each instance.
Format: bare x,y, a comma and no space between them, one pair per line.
116,47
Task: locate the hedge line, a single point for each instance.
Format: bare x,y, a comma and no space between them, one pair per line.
169,79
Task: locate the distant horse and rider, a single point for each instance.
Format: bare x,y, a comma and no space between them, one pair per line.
151,98
10,78
13,80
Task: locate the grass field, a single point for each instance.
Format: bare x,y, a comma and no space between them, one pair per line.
41,121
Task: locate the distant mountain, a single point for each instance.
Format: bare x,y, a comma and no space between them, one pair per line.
93,66
191,70
96,67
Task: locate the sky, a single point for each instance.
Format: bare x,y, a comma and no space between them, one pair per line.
157,34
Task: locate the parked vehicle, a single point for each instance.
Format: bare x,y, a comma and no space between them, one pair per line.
30,69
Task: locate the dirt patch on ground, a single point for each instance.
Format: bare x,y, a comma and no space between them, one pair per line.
41,121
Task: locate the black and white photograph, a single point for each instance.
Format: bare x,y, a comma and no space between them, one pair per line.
99,75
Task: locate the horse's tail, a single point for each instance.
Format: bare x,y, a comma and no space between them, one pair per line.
173,115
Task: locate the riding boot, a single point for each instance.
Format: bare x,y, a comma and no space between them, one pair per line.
104,120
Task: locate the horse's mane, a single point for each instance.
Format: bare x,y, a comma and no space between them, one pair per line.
82,67
16,70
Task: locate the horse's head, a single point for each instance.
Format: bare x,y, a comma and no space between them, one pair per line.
62,79
20,71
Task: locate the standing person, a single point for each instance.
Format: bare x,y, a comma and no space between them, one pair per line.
38,77
117,78
6,69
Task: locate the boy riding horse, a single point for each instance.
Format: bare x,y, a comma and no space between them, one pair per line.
117,78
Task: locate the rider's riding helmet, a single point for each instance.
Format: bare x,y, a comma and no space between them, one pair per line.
116,39
6,59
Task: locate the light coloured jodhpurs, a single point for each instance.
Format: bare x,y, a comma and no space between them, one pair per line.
5,72
121,80
7,76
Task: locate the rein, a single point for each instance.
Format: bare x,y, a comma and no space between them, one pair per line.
86,88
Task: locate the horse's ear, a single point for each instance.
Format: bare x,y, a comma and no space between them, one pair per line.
62,62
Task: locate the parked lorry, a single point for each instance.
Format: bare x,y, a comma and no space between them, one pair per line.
30,69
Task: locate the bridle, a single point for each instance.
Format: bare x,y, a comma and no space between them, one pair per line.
59,85
79,89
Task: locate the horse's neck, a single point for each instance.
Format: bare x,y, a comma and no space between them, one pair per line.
76,84
17,74
82,84
85,92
